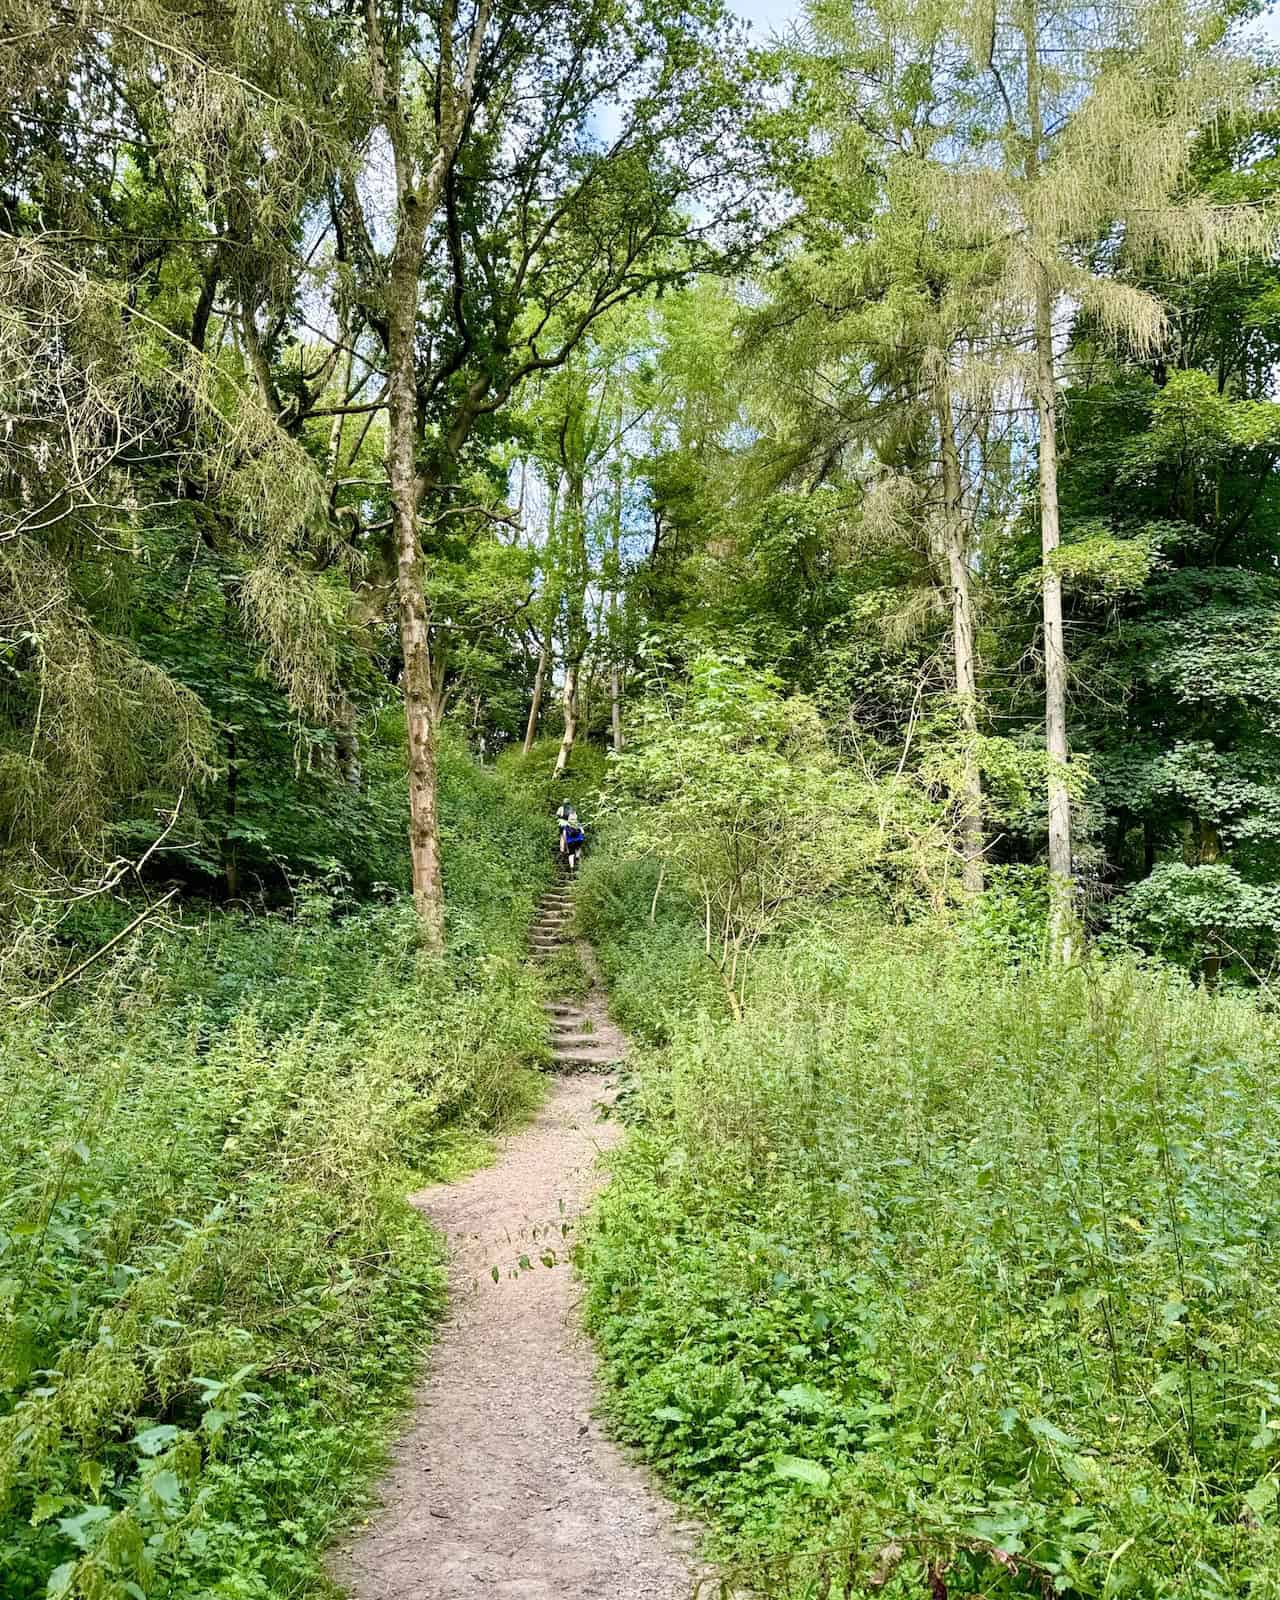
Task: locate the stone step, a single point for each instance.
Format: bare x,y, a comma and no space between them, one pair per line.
561,1008
575,1041
586,1058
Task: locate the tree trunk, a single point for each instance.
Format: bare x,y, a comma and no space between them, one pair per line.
418,197
1061,884
539,683
230,861
346,744
550,600
956,550
421,695
574,530
569,700
615,672
615,707
1062,893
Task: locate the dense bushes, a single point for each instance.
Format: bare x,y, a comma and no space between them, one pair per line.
212,1292
961,1273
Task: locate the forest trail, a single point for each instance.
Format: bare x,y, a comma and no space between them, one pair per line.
504,1483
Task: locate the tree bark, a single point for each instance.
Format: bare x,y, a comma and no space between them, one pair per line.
418,198
966,679
569,701
550,600
539,682
615,707
1061,882
615,672
230,860
1062,891
574,530
346,743
421,693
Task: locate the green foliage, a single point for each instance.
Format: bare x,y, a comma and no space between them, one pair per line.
640,958
733,787
534,776
1186,913
936,1258
1009,920
213,1292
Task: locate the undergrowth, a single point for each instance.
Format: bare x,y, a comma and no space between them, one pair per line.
213,1294
943,1273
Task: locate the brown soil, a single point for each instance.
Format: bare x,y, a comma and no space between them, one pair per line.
505,1483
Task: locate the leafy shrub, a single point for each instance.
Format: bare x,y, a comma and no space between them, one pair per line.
212,1291
639,958
1193,914
733,786
938,1264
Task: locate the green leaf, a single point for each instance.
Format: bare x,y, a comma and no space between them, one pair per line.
165,1488
60,1581
78,1528
670,1414
48,1505
1042,1428
804,1397
801,1470
151,1441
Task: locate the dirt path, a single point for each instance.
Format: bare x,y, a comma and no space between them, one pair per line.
505,1484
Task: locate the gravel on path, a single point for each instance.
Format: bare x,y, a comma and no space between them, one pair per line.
505,1484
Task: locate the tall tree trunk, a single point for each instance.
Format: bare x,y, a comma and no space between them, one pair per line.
421,696
230,860
418,197
1061,884
575,568
539,683
615,672
956,551
551,600
1055,655
569,702
346,743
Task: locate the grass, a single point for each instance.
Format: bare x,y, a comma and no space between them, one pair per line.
943,1274
213,1295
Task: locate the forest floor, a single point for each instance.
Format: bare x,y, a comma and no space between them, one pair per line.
505,1483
